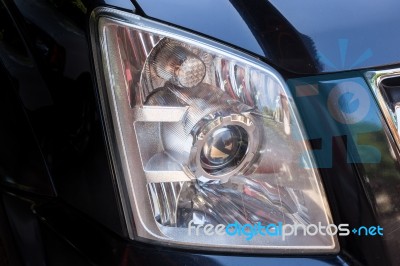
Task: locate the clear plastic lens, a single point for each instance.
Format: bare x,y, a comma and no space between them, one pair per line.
207,136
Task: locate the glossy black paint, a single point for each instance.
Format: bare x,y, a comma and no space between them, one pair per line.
25,227
8,247
50,109
294,35
21,161
61,107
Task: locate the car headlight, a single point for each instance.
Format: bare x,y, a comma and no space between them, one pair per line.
203,136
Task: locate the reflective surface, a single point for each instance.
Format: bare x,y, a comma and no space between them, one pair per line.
299,36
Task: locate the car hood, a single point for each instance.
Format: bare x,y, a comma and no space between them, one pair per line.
307,36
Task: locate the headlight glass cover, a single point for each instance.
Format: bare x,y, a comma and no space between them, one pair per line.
201,134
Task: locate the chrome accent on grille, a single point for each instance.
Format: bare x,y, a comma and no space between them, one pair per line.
375,80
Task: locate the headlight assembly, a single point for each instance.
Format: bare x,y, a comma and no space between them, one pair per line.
203,136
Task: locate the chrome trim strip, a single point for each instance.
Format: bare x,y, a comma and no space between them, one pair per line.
374,79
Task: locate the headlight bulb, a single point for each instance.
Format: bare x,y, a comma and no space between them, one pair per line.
171,62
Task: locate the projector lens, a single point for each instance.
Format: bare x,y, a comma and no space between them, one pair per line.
224,150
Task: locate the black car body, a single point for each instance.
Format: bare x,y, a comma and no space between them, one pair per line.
60,202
